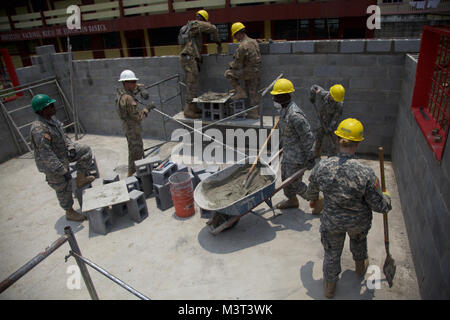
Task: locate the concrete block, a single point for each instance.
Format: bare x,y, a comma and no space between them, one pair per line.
120,209
390,60
352,46
146,185
100,220
110,177
388,84
137,206
303,47
203,176
361,83
182,167
280,47
326,46
326,71
132,183
48,49
352,72
406,45
236,107
379,45
145,166
264,48
161,176
162,196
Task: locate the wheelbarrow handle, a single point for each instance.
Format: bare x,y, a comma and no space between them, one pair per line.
289,180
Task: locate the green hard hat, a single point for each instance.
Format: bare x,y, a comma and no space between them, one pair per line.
41,101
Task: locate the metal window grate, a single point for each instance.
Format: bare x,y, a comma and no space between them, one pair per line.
431,103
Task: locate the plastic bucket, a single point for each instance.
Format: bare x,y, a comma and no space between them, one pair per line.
182,192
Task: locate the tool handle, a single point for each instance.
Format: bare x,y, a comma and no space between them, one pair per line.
262,149
289,180
383,188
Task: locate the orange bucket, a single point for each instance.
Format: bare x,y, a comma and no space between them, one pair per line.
182,191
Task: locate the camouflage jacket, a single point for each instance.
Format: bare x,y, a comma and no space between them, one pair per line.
194,46
247,59
351,191
127,107
50,146
296,136
330,111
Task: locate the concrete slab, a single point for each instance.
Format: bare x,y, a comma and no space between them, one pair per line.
166,257
105,195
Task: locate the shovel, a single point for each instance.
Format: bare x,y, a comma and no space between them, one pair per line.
246,180
389,264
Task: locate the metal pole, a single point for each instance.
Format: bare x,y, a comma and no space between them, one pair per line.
110,276
5,284
68,104
17,129
75,115
84,271
5,115
35,86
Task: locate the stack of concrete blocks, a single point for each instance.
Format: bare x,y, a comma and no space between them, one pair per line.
237,106
161,186
206,111
137,206
101,220
144,168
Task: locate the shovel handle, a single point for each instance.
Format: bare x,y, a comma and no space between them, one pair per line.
261,151
383,188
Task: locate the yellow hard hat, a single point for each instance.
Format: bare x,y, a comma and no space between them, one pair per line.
350,129
237,26
337,92
282,86
204,14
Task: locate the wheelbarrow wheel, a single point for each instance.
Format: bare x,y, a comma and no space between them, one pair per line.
233,225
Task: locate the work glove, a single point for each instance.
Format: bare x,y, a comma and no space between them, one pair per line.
310,164
312,99
144,113
387,194
72,153
151,106
67,176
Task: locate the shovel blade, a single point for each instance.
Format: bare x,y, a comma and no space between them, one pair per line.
389,270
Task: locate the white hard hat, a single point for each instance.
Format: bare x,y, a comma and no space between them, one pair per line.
127,75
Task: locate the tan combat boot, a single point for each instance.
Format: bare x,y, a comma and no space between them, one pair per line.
74,216
253,114
361,267
330,287
289,203
195,108
83,180
240,94
316,206
190,113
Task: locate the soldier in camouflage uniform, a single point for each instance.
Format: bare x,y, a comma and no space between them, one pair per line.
132,116
191,58
246,65
53,151
351,191
330,104
297,141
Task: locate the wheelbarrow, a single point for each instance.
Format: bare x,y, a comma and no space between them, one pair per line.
228,216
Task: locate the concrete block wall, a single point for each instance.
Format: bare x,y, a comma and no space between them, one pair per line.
370,70
424,187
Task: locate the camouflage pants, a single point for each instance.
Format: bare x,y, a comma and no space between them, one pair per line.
251,83
320,136
135,147
333,243
190,68
62,187
297,186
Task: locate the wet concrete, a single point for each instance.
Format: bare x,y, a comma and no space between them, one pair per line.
166,257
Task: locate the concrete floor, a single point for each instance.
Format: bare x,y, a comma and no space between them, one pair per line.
166,257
